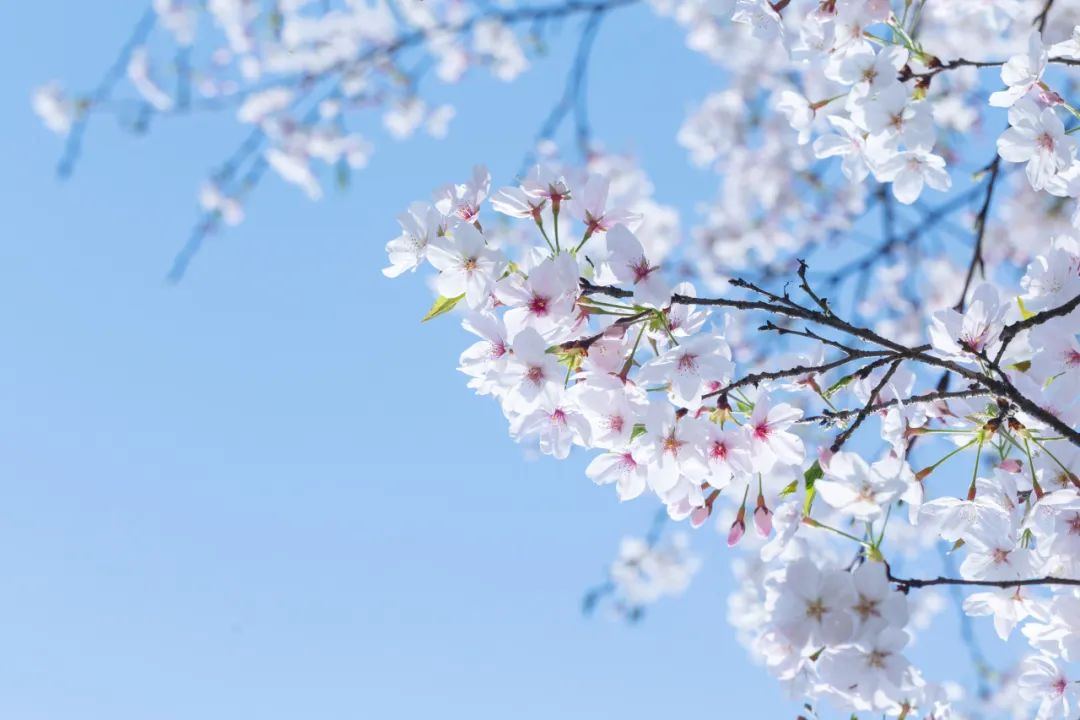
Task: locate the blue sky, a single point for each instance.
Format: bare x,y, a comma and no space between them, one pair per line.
266,492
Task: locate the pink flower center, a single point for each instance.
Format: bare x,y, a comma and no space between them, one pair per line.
762,431
615,423
558,417
719,451
687,363
641,269
1046,142
538,305
535,375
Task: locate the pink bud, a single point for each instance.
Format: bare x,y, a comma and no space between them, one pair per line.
1011,465
763,520
699,516
738,529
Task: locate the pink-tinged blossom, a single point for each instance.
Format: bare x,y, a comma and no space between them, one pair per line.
515,202
813,607
858,489
467,266
673,447
871,71
556,421
872,666
765,23
485,360
910,170
464,199
531,369
965,337
613,410
849,144
894,115
877,602
1021,73
626,262
799,113
544,300
770,440
1053,278
728,455
1007,606
688,368
590,206
1045,680
683,319
1037,136
408,250
621,468
1055,632
543,184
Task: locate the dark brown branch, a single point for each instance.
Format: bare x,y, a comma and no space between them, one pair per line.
829,416
1002,388
980,233
906,584
862,414
1010,332
807,333
757,378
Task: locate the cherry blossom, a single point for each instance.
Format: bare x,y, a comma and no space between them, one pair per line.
872,376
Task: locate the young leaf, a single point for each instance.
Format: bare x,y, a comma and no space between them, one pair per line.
442,306
811,476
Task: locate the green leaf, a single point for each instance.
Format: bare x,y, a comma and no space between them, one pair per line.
637,432
442,306
811,476
745,408
790,488
837,386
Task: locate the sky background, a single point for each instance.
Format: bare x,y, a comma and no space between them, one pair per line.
266,492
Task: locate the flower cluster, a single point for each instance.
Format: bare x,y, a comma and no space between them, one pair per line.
853,387
583,341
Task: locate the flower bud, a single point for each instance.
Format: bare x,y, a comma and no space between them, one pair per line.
763,519
738,529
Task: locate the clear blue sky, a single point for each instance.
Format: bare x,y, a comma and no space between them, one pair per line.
266,492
